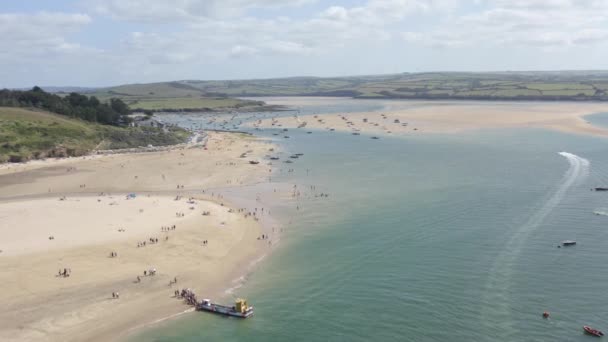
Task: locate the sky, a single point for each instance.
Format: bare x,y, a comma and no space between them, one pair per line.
93,43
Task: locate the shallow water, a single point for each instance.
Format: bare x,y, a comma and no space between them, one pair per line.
430,238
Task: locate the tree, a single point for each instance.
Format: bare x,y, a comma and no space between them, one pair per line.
119,106
93,101
74,105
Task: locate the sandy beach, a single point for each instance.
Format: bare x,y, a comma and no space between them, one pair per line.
418,117
105,220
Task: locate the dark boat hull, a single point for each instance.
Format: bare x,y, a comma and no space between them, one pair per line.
593,332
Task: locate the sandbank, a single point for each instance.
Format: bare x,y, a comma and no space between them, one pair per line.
419,117
72,214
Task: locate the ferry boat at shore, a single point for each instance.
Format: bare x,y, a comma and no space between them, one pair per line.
240,308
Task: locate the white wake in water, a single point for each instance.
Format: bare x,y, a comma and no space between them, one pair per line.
601,212
497,315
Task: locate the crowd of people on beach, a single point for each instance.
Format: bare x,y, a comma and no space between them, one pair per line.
188,295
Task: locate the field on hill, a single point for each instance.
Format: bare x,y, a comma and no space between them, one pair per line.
551,86
31,134
170,96
188,103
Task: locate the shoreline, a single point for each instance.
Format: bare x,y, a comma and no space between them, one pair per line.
96,191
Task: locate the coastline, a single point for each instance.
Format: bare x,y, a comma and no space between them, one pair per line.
83,204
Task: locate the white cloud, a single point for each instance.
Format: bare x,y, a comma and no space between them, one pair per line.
182,10
39,34
25,28
242,50
543,23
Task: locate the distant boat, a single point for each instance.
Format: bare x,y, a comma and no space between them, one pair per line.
568,243
274,158
589,330
356,133
601,189
375,138
288,161
254,162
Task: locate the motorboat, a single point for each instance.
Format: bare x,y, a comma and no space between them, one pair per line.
589,330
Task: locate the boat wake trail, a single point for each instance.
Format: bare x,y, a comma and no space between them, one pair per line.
601,212
496,310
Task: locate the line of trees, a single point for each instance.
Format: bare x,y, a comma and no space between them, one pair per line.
73,105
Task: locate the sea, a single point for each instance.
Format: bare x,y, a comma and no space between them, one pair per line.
429,237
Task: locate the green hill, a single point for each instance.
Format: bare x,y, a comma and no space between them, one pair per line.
32,134
171,96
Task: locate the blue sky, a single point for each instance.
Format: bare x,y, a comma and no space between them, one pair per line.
108,42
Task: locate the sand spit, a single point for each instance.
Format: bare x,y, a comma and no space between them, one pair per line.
416,117
79,233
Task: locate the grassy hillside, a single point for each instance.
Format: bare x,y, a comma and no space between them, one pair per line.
568,85
30,134
170,96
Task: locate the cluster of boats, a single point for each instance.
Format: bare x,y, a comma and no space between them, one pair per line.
293,156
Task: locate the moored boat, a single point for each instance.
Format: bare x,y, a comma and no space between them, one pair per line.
589,330
568,243
240,308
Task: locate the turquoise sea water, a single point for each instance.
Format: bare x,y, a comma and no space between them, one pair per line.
430,238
